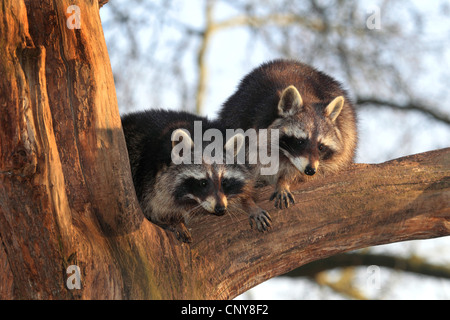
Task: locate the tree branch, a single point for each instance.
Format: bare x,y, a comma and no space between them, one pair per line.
276,19
436,115
201,57
67,198
413,265
368,205
238,21
101,3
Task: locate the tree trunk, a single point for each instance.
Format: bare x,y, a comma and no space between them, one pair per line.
67,199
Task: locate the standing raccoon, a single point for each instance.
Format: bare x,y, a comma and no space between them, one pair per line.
170,194
315,119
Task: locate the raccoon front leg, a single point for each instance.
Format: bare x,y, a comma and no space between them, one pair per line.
180,230
282,195
258,217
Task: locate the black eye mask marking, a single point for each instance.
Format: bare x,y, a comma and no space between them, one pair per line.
296,147
200,188
325,152
232,186
293,145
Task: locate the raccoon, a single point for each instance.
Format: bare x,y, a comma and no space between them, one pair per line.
315,118
171,194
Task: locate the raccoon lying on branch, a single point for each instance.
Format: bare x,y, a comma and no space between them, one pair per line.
170,191
309,110
315,119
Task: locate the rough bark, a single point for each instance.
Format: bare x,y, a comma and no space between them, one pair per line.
66,195
367,205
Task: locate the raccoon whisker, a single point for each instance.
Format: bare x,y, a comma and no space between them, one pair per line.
240,210
188,215
237,210
287,149
233,216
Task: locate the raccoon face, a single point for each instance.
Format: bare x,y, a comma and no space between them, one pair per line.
305,154
198,187
209,185
308,135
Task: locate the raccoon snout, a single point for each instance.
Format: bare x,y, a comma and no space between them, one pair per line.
220,210
310,171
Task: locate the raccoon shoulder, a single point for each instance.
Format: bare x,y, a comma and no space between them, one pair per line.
254,104
145,134
148,138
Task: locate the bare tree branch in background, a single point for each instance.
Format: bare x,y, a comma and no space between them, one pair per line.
157,53
412,264
334,38
212,26
374,102
201,56
349,264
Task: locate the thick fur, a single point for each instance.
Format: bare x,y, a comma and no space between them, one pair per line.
306,105
170,195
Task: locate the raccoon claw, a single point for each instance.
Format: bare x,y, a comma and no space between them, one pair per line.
182,233
183,237
261,220
282,196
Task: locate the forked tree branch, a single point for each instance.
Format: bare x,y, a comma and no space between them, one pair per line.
101,3
67,199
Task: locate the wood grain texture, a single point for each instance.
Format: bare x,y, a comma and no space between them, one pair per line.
67,198
367,205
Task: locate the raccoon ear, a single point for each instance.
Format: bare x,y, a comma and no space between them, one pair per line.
290,102
229,146
334,108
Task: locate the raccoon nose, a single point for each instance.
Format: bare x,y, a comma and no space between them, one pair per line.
220,210
310,171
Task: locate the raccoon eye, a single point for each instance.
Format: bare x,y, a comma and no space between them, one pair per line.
325,152
293,142
232,186
293,145
203,183
299,144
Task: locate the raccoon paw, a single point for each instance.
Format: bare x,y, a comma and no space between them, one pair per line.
182,233
183,236
282,196
261,220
